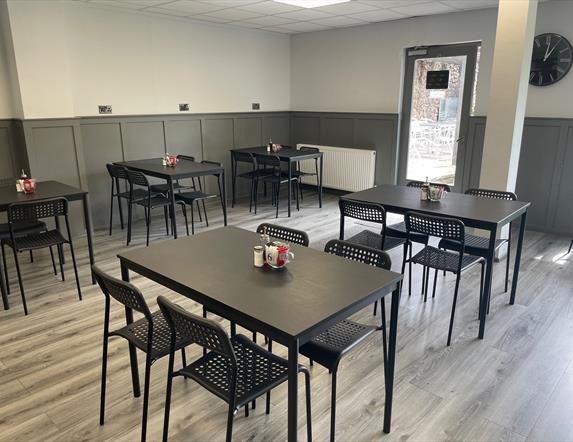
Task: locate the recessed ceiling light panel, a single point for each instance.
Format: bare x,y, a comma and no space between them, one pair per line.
311,3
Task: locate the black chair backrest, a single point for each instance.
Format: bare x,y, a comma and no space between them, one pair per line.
116,171
201,331
269,159
309,149
137,178
244,157
35,210
360,253
123,292
441,227
419,184
495,194
284,233
361,210
185,157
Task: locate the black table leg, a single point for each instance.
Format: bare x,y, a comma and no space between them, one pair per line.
132,349
292,390
320,184
233,179
172,197
488,282
3,289
389,369
289,186
88,224
224,196
517,258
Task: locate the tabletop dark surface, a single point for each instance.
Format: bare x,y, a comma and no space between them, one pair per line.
218,265
44,190
184,168
468,208
286,153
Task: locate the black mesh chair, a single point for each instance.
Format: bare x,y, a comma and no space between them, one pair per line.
235,369
196,196
284,233
254,173
300,174
437,259
149,334
20,229
276,179
31,212
138,186
399,230
118,175
329,347
479,245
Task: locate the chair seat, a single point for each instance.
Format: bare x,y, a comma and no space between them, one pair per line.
299,173
328,347
278,178
37,240
22,228
399,230
257,173
374,240
443,260
190,197
164,188
136,333
474,245
155,201
258,371
138,194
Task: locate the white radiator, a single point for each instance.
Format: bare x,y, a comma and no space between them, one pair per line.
343,168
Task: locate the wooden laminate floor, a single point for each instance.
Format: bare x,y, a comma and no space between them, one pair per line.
516,384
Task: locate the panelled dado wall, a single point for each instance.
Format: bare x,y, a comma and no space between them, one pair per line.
75,151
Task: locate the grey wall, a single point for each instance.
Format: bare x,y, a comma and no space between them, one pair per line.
358,130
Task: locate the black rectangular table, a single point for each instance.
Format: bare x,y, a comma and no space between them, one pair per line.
290,306
481,213
290,156
184,169
47,190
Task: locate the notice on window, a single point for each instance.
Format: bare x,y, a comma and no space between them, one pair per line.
437,79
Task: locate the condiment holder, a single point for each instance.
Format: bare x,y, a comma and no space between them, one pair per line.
25,184
169,160
274,254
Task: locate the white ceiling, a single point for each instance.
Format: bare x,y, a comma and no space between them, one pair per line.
279,17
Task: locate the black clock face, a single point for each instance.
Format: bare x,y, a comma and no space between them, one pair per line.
551,60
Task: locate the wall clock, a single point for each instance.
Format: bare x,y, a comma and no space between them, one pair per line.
551,60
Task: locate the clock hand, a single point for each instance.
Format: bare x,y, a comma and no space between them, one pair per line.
547,55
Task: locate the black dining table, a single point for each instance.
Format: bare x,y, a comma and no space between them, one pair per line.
48,190
184,169
477,212
288,155
290,306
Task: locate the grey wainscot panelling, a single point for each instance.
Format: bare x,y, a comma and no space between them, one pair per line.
355,130
544,175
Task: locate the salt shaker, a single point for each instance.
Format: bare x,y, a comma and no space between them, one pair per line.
259,260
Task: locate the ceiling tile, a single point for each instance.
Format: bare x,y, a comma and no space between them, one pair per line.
424,9
191,7
206,18
304,27
305,15
339,21
352,7
147,3
171,12
382,4
232,14
379,15
269,20
270,8
228,3
278,29
116,4
471,4
244,24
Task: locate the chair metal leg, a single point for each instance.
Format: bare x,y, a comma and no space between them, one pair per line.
192,221
458,276
308,406
427,282
375,308
145,397
570,246
166,216
507,260
168,398
120,211
31,256
409,272
6,280
333,406
277,198
53,261
230,415
103,372
435,280
148,222
268,404
423,280
111,207
204,212
75,268
129,218
61,260
184,210
20,281
183,358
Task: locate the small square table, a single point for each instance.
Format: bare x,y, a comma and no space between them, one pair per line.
481,213
184,169
290,305
47,190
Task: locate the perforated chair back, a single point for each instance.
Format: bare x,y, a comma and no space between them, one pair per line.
359,253
494,194
116,171
419,184
137,178
123,292
185,157
269,159
243,157
284,233
35,210
447,228
201,331
309,149
361,210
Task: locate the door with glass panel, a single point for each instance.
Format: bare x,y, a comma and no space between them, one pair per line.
436,102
